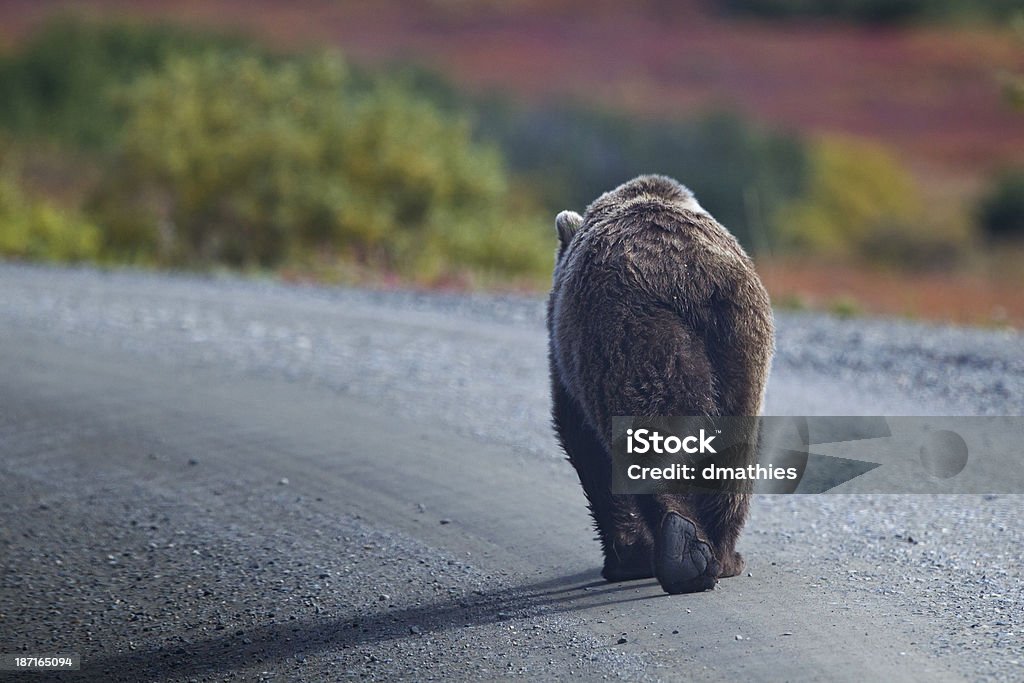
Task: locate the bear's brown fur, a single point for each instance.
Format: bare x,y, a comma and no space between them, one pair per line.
655,310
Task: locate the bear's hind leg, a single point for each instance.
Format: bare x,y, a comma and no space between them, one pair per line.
665,371
624,533
628,553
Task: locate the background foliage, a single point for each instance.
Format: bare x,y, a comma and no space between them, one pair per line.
1002,208
59,83
37,229
248,163
202,149
215,151
879,11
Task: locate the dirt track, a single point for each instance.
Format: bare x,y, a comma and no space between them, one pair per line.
216,479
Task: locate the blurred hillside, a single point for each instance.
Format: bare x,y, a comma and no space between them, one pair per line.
929,91
854,138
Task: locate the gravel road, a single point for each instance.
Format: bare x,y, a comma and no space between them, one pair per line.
224,478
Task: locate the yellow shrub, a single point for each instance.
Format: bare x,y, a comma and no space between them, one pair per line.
39,230
857,190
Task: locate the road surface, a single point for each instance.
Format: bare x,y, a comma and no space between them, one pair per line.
222,478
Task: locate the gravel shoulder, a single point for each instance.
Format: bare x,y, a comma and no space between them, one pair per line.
215,479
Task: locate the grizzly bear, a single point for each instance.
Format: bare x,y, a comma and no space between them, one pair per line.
655,310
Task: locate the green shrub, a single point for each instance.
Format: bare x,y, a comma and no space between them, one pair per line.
571,154
856,191
862,203
64,84
877,11
39,230
57,84
237,160
1001,210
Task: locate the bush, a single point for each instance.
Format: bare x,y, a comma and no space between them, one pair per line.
39,230
87,84
56,85
862,203
241,161
877,11
1001,210
571,154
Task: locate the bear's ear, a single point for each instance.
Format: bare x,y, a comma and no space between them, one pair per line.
567,223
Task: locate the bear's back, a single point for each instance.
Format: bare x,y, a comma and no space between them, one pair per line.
644,297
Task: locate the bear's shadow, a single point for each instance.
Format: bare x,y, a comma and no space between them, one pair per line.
283,640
